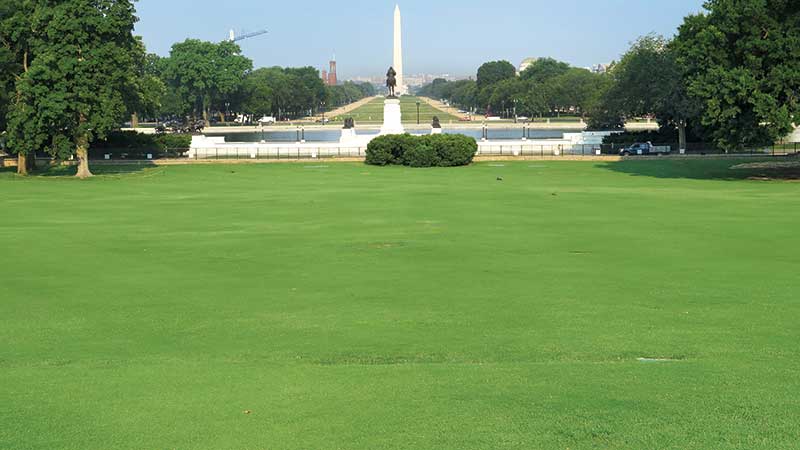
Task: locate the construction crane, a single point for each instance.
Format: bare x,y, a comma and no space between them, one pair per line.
233,38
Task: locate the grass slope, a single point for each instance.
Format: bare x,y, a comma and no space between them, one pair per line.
372,112
343,306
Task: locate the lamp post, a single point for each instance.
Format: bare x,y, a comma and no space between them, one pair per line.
515,110
417,112
322,107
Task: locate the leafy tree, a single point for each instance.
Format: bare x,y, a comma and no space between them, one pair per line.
77,85
436,89
648,81
348,92
148,96
544,69
506,93
203,74
293,92
307,91
15,58
464,93
257,94
494,72
741,60
489,74
576,89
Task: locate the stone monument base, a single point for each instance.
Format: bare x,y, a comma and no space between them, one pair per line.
436,131
348,135
392,117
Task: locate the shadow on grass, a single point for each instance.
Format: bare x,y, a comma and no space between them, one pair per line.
777,168
97,169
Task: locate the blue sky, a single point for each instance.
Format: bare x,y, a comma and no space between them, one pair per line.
440,36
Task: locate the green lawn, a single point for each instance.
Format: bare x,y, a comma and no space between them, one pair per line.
340,306
372,112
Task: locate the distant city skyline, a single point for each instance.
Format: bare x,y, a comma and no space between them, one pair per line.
447,37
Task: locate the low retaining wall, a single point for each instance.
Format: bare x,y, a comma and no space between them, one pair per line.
216,148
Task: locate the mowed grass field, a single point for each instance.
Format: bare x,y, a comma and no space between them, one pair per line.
372,112
339,306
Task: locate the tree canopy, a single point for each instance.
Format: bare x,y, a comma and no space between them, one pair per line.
494,72
548,87
203,74
544,69
78,83
742,63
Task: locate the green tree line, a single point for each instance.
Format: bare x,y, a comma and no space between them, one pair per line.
730,77
72,71
547,87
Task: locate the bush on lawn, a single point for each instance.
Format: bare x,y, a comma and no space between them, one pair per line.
421,156
389,149
443,150
452,149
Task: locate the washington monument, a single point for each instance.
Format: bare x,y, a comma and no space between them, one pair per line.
398,52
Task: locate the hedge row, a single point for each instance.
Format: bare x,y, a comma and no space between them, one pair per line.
438,150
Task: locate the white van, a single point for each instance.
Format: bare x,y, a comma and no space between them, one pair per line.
267,120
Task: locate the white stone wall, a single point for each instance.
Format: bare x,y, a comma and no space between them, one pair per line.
795,137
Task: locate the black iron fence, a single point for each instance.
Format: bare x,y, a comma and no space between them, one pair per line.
515,148
487,148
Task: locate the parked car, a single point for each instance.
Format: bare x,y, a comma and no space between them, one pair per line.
645,148
267,120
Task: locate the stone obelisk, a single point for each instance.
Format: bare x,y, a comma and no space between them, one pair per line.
392,114
398,51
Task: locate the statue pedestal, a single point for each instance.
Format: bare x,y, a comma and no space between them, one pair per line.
348,135
436,131
392,117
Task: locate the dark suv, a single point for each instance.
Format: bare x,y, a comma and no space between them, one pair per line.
640,148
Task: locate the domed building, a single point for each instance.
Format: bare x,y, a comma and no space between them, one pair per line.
527,62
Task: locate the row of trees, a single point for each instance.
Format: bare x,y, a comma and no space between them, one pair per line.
203,77
71,71
547,87
731,77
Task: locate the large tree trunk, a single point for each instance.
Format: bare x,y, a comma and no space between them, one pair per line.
682,134
205,117
134,120
221,117
83,158
22,164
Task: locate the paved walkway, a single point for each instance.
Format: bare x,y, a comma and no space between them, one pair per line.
441,106
347,108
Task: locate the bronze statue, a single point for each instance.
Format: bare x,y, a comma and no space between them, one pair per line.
349,124
391,82
436,123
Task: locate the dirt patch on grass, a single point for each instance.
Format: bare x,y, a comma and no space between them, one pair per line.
385,245
772,170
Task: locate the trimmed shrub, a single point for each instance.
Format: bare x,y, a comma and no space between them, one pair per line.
453,149
421,156
389,149
444,150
